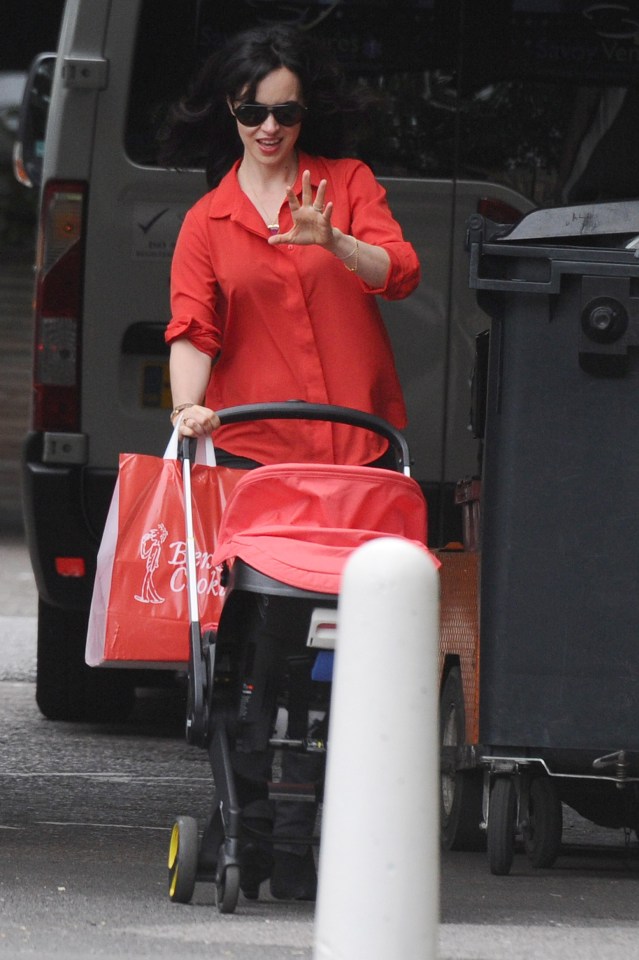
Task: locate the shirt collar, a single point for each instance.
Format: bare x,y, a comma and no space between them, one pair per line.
228,198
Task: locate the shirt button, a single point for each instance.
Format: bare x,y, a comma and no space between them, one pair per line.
291,246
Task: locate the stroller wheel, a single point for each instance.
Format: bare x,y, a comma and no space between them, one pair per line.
183,857
228,889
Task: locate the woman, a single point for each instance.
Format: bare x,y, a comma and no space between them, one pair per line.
276,270
273,295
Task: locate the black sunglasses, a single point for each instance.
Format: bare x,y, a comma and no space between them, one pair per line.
254,114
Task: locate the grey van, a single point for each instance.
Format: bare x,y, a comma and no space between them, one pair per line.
471,121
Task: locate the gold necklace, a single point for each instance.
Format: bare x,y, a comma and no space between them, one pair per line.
273,226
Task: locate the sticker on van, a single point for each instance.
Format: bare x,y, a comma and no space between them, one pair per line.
155,228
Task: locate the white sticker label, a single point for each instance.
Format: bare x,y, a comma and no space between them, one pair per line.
155,228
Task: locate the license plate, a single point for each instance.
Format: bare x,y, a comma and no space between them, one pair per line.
156,385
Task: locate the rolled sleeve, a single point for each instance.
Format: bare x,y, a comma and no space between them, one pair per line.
194,287
373,222
403,275
199,334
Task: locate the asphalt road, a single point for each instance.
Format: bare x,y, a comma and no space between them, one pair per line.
85,817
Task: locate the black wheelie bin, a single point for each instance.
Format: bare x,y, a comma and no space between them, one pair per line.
559,582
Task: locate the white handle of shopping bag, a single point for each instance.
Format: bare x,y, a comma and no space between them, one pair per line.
205,451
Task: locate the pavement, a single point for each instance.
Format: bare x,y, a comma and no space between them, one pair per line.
566,913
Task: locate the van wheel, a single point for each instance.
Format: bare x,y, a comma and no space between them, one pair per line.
461,790
66,688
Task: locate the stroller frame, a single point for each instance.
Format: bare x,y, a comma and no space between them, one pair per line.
211,714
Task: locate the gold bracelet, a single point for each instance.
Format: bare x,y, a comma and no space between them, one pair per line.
356,252
178,409
349,255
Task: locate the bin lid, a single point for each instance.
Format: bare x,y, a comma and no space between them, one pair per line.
578,220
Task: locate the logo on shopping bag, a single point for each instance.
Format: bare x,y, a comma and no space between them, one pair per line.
150,551
208,583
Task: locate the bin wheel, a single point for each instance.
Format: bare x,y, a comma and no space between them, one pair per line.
542,834
183,858
502,816
461,791
228,889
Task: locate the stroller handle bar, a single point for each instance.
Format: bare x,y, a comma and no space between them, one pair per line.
301,410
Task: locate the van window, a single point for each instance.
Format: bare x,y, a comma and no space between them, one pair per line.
380,43
534,94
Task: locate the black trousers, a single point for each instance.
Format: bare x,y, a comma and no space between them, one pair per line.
275,670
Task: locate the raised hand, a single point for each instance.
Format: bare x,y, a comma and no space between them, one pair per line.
311,217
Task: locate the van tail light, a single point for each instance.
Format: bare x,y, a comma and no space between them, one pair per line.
58,307
19,169
498,210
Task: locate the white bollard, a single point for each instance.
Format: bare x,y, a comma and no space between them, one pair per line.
378,894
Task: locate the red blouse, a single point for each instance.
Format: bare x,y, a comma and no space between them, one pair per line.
291,322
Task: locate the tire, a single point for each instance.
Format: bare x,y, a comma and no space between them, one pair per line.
66,688
228,889
460,792
502,817
542,835
183,859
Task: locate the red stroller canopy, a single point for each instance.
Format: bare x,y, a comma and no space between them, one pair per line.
299,523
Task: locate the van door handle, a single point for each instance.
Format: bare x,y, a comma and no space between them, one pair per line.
85,73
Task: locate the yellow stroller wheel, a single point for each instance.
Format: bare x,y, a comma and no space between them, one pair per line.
183,857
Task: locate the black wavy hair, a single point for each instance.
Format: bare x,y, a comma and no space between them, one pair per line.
200,128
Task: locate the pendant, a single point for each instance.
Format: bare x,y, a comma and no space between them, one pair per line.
273,227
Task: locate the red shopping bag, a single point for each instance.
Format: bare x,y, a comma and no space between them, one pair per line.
139,609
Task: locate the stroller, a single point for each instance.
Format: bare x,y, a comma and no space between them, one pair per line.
285,535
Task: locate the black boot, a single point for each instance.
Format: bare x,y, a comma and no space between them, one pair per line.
256,856
294,876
